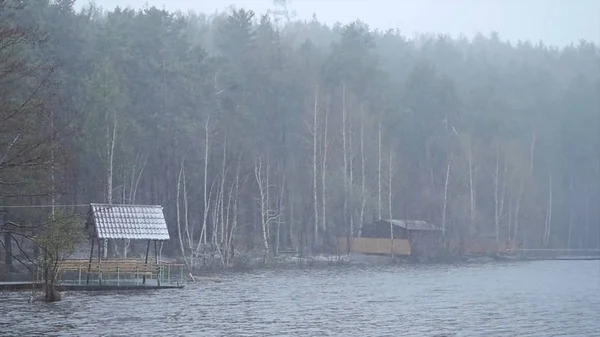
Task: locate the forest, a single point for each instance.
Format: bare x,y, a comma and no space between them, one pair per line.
258,131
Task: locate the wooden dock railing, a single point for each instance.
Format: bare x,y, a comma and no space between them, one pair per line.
554,254
120,271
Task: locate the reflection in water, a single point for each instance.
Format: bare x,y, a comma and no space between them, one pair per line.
519,299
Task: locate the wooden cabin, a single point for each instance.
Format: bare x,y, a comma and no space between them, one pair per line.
410,238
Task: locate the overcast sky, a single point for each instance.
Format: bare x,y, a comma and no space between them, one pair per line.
556,22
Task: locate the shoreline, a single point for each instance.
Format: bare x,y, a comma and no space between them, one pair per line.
214,273
324,261
320,261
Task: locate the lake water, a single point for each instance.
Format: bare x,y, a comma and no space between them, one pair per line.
543,298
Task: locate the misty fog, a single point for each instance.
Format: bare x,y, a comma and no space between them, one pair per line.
376,168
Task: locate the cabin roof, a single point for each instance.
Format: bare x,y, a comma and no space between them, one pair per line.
136,222
412,225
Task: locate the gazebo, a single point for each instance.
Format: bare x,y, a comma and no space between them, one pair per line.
134,222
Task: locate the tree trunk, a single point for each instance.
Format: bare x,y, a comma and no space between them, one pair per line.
471,186
324,172
223,179
315,138
345,155
510,213
267,222
350,175
189,236
390,195
498,201
177,210
548,227
135,181
446,197
532,153
225,244
517,215
363,174
292,222
571,209
263,187
379,160
280,209
235,212
203,238
109,190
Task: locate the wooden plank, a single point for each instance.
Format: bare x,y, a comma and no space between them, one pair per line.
374,246
28,286
114,266
111,267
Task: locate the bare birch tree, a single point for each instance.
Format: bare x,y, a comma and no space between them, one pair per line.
111,136
471,183
189,234
223,231
315,127
351,211
324,151
234,218
186,244
345,156
510,213
203,238
585,243
362,172
499,197
280,210
548,223
532,152
268,215
571,211
379,161
390,196
515,242
445,206
129,194
178,212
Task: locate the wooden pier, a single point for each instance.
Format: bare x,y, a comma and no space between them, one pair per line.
119,270
551,254
65,286
127,273
109,275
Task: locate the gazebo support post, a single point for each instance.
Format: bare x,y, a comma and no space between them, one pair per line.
89,270
146,262
157,265
100,261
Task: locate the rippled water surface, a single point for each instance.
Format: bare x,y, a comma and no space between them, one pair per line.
553,298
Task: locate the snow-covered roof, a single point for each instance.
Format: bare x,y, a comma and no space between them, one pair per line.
136,222
413,225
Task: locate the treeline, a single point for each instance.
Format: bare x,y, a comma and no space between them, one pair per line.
262,132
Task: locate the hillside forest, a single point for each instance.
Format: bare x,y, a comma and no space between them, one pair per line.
261,132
